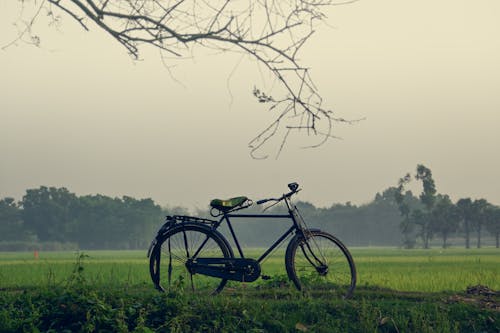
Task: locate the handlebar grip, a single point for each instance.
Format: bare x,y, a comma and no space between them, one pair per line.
260,202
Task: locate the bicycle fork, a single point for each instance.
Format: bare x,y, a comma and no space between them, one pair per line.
321,268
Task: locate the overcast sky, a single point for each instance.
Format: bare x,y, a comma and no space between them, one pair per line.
79,113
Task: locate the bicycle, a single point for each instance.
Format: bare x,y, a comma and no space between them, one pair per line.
195,253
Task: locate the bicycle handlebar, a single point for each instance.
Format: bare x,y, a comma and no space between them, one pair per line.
294,187
260,202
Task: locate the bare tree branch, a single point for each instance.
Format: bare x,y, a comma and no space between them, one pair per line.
272,32
27,29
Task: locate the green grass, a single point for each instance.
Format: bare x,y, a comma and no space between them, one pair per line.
398,291
404,270
428,270
20,270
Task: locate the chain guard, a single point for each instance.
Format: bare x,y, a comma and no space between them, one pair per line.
236,269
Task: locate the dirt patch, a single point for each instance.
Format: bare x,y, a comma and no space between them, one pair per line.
479,295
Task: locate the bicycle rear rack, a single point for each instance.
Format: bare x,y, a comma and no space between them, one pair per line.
172,220
186,218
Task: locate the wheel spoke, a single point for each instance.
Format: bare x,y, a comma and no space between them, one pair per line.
180,246
321,262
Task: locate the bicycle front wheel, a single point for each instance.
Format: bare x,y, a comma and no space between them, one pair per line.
176,248
319,263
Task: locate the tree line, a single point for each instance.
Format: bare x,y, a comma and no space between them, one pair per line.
55,218
434,214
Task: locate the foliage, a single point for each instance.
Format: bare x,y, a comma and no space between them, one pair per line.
493,223
51,218
445,218
480,208
420,217
466,211
428,195
437,215
10,219
49,213
374,310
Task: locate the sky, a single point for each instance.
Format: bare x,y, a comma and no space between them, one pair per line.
79,113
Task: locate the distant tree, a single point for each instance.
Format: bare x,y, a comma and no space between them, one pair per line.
420,217
11,227
445,218
269,32
100,223
493,223
125,223
389,196
466,212
428,199
428,195
401,198
141,218
49,212
480,208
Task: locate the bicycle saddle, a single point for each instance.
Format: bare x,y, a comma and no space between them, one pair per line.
226,205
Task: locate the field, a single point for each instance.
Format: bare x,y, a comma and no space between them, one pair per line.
398,291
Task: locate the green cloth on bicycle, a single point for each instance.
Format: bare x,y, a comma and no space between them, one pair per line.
225,205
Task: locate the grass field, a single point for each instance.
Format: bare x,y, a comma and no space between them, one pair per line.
404,270
398,291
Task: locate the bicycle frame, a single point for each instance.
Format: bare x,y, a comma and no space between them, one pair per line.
292,215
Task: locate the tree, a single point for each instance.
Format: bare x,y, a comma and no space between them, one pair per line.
49,213
445,218
466,212
428,195
493,223
401,199
421,216
428,198
479,208
125,223
270,32
10,220
99,223
141,219
434,214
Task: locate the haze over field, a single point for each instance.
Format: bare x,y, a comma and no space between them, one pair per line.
79,113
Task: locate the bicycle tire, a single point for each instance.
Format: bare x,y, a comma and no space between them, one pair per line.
179,244
320,263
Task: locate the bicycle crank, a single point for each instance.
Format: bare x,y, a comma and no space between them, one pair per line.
236,269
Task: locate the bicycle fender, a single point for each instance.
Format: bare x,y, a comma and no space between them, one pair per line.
163,229
153,243
166,226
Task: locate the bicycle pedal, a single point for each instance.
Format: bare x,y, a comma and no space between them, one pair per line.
266,277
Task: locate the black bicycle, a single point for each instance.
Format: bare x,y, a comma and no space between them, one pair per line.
190,251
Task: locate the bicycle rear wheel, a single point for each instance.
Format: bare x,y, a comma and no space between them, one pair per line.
178,246
320,263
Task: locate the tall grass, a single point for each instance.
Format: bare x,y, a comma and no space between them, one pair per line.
403,270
